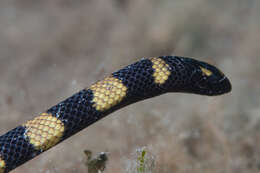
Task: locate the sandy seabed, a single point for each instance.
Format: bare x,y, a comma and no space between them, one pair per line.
53,48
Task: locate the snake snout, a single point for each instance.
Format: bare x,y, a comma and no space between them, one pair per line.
224,85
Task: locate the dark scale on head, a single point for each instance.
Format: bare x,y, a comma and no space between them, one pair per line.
200,77
192,76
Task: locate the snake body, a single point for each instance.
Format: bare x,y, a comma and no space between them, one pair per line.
146,78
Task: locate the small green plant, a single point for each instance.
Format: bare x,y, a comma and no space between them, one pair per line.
141,160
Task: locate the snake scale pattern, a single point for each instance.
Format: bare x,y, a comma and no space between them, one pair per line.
146,78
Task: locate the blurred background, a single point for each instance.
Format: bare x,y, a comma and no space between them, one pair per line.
53,48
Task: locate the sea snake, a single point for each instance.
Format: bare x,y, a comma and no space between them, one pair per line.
143,79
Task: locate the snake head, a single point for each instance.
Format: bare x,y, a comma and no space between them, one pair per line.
206,79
